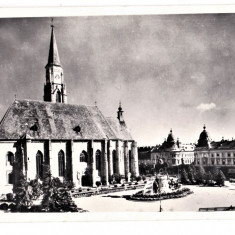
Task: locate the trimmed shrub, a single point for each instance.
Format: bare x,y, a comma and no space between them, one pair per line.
9,197
138,178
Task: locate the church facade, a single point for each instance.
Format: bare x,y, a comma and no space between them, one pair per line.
77,142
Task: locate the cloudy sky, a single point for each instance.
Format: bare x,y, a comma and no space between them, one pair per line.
169,71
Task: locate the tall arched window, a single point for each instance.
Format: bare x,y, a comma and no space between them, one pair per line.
129,160
98,160
83,156
58,96
39,161
10,158
61,163
114,162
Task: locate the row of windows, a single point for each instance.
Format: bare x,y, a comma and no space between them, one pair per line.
217,154
217,162
61,162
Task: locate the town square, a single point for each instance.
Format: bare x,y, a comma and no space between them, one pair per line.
117,114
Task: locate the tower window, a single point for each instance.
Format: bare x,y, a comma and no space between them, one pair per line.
58,96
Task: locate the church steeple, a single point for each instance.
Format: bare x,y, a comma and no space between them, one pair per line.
53,58
54,89
119,114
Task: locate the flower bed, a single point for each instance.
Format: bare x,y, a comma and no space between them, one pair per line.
106,191
163,196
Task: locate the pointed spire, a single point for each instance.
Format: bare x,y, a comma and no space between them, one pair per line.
53,58
119,113
120,106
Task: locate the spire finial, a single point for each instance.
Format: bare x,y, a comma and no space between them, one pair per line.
171,130
52,25
15,96
204,127
95,103
120,104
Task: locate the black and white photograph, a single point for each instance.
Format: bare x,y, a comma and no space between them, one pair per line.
117,113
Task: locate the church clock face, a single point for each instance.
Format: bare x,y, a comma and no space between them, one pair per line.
57,78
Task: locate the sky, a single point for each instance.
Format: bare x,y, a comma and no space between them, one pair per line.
168,71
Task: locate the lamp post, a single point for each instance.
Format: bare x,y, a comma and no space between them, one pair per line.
160,209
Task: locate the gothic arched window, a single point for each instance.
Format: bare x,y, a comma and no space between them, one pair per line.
114,161
61,161
83,156
98,160
10,158
39,161
129,160
58,96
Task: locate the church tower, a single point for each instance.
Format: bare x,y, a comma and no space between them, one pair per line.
54,89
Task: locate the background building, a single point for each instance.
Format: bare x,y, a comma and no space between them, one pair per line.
214,153
173,152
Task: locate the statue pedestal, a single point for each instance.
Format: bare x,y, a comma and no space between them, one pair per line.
163,184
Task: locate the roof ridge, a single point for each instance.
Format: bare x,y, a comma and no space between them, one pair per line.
41,101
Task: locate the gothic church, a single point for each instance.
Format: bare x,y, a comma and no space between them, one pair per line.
76,141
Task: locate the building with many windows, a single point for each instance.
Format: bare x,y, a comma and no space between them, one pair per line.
77,141
173,152
214,153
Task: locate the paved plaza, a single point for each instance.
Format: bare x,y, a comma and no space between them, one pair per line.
202,197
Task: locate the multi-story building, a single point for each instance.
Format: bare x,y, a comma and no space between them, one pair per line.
173,152
214,153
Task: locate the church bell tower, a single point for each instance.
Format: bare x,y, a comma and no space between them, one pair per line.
54,89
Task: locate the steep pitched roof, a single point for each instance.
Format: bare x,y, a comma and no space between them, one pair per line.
119,128
44,120
53,57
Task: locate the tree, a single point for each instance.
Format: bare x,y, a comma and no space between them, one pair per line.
23,191
191,175
56,195
200,175
209,178
214,172
184,176
220,178
36,188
